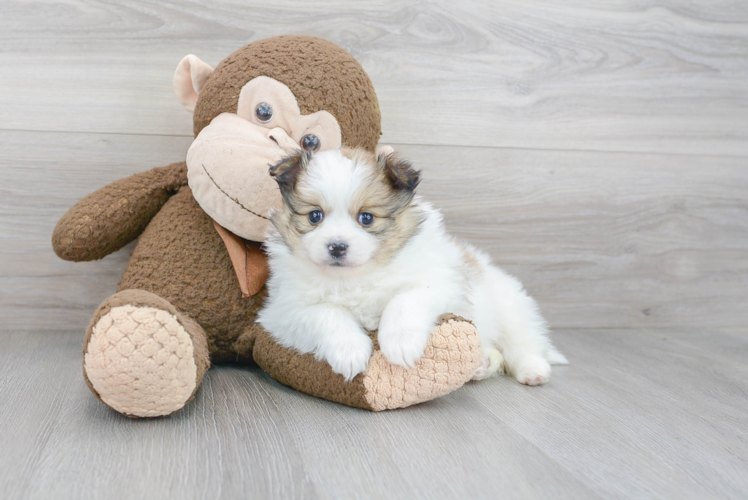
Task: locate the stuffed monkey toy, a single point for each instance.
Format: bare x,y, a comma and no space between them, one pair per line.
192,288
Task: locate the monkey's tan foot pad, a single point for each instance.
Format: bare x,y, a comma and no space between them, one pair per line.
141,360
452,355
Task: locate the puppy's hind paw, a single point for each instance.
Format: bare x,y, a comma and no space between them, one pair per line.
533,371
492,362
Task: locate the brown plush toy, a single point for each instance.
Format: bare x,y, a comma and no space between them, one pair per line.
194,284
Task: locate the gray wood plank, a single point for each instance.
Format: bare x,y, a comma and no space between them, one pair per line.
41,176
37,375
633,416
442,449
230,443
601,239
639,414
644,76
604,240
597,152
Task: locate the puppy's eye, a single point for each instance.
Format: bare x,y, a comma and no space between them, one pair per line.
264,112
316,217
365,219
310,142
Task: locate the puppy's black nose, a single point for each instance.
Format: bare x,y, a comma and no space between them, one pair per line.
337,250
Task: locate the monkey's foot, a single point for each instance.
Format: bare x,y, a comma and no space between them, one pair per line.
141,360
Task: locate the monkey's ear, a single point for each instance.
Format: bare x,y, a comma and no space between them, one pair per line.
189,79
287,171
399,172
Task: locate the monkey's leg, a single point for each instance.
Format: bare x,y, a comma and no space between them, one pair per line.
452,355
142,357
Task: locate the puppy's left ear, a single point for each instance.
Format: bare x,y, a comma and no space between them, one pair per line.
287,171
399,172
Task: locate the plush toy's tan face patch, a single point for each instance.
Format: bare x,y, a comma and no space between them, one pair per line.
227,164
269,103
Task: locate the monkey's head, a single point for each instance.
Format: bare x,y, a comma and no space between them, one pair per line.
264,100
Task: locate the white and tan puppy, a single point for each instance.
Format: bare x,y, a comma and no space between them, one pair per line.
353,249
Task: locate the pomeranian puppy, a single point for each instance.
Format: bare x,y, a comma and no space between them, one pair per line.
354,249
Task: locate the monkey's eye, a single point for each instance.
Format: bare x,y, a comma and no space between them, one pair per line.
310,142
316,217
365,219
264,112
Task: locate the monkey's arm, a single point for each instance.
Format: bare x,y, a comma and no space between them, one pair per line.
111,217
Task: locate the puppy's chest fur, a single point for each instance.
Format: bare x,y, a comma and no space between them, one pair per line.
365,300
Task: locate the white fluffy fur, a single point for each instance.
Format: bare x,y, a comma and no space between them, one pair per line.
316,308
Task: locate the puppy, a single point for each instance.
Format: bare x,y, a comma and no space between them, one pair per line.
354,249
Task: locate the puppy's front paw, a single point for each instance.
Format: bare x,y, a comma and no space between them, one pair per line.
403,343
348,354
533,371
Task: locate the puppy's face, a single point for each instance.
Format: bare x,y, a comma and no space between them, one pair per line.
346,209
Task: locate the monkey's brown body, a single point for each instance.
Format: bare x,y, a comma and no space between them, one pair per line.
179,305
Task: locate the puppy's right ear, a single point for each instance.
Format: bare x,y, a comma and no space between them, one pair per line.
287,171
189,79
399,172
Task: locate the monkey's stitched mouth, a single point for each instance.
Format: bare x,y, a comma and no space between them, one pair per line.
229,196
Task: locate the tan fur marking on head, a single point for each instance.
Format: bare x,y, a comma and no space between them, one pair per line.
396,220
405,227
291,219
283,221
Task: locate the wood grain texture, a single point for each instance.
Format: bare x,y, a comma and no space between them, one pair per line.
600,239
638,414
605,239
598,152
629,76
41,176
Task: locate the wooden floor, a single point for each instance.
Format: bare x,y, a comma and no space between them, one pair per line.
639,414
599,153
